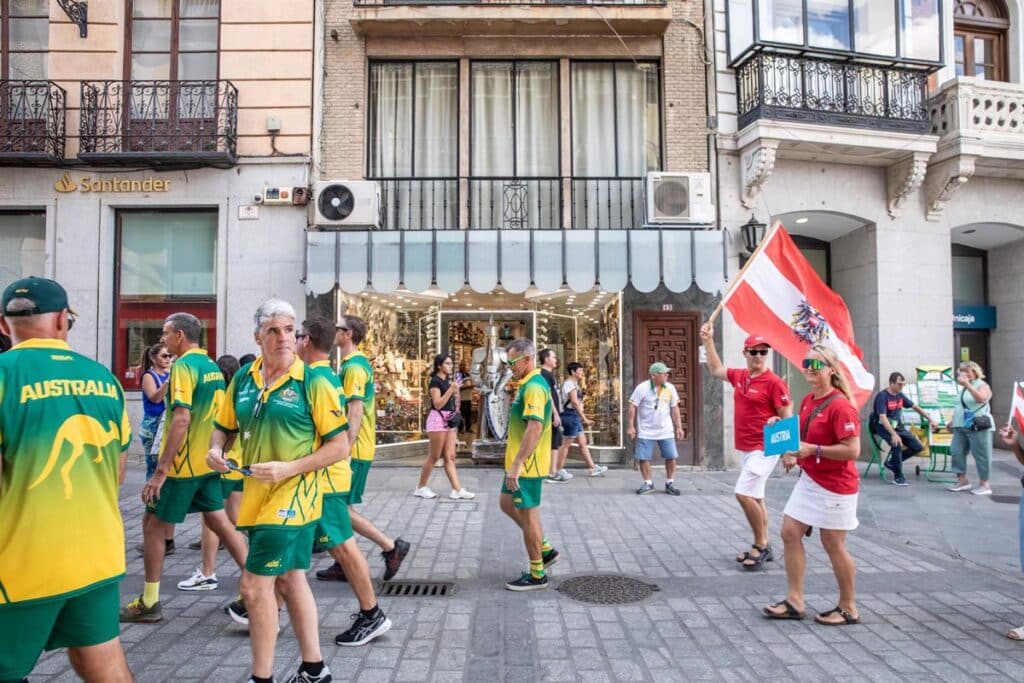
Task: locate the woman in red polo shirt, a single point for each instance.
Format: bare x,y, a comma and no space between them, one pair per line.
825,495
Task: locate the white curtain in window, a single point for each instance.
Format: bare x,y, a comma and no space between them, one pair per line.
537,119
390,120
436,119
167,254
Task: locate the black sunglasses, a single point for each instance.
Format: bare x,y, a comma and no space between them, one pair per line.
232,465
758,352
342,328
299,335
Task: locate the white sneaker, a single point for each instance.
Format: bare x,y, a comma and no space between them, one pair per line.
565,474
956,488
461,494
424,492
198,582
598,470
982,491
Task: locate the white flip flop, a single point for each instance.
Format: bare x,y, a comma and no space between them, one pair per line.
1016,633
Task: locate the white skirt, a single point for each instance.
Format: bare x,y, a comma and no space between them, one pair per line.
813,505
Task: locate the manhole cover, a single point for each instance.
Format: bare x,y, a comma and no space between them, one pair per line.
1014,500
606,589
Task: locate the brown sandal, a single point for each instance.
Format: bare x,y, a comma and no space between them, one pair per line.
848,619
790,613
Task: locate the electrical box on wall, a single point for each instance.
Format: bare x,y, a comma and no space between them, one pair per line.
283,196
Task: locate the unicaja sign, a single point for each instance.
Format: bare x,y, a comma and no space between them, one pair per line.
87,184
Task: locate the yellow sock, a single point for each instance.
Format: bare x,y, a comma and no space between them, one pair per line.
151,593
545,547
537,569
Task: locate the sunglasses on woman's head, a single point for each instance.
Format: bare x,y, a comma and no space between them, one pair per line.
814,364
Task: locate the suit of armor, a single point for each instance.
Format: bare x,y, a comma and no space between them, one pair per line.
490,375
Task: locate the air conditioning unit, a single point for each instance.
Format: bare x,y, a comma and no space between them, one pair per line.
345,205
679,198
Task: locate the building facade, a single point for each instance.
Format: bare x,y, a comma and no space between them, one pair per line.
887,136
135,139
513,144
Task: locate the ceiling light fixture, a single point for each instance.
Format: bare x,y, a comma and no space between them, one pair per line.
801,220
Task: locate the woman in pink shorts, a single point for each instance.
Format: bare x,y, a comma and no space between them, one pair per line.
442,425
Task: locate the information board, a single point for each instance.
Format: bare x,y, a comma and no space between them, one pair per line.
936,392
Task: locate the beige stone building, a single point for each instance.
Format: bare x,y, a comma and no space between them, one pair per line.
543,170
135,139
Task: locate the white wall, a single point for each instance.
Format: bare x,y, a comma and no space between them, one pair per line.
1006,293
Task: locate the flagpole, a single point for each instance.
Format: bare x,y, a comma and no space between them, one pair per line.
776,224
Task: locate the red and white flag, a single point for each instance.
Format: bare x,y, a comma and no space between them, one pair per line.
1017,405
781,297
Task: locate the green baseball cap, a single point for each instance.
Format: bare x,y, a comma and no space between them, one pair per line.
659,368
47,295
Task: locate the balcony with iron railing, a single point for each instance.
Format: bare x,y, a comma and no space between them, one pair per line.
32,115
160,124
509,17
506,203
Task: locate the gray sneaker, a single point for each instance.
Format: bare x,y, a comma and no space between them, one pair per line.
646,488
670,489
136,612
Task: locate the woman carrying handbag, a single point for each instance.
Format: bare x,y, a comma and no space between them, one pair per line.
972,429
442,424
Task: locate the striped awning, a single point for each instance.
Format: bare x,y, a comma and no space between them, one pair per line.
450,260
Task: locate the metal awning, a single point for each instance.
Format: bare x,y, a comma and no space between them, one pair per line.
516,260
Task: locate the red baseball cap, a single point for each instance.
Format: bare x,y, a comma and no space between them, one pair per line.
755,340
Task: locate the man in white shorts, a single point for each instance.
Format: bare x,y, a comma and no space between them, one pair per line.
761,397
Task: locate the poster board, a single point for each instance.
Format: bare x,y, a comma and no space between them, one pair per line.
937,394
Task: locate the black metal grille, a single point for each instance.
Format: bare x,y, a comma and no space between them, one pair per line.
606,589
31,122
416,589
817,90
608,203
160,123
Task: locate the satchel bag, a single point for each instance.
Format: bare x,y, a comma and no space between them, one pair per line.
973,421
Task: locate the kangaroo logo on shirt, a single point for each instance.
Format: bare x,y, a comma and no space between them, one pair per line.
79,431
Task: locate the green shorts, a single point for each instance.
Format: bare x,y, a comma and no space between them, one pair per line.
360,471
229,486
528,495
276,550
84,619
179,497
335,526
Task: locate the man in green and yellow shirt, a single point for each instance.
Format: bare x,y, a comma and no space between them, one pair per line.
528,461
291,425
183,482
63,436
360,406
335,528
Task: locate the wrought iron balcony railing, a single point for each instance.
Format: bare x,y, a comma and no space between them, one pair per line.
378,3
506,203
159,123
32,117
832,92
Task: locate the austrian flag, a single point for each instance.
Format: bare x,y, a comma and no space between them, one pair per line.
781,297
1017,406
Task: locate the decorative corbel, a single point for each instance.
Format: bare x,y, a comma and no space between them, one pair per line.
78,13
758,162
904,178
943,180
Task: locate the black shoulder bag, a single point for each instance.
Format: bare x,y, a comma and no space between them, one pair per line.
972,421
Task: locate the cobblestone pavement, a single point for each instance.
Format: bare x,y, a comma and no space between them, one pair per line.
932,603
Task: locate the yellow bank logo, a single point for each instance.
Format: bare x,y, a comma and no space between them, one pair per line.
87,184
79,431
65,184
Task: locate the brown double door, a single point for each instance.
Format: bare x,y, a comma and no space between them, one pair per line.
672,338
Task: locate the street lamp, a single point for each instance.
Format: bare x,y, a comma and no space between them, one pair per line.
753,233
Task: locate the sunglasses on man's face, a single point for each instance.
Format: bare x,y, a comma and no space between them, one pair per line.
342,329
510,362
758,352
300,335
814,364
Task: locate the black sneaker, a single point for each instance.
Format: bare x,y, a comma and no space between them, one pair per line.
526,582
364,629
168,548
319,547
645,489
550,557
237,611
332,573
306,677
670,489
393,558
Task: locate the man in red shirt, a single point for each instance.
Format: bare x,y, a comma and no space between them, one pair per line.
761,397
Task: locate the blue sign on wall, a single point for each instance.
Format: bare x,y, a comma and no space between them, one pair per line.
974,317
782,437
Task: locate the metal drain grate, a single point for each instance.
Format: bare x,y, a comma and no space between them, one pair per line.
416,589
606,589
1012,500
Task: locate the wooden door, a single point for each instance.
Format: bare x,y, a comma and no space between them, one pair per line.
672,339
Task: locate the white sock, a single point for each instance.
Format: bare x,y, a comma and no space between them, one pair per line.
649,481
670,481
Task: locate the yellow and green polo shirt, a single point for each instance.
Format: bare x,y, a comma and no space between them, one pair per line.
197,384
337,478
357,384
63,427
532,402
283,422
